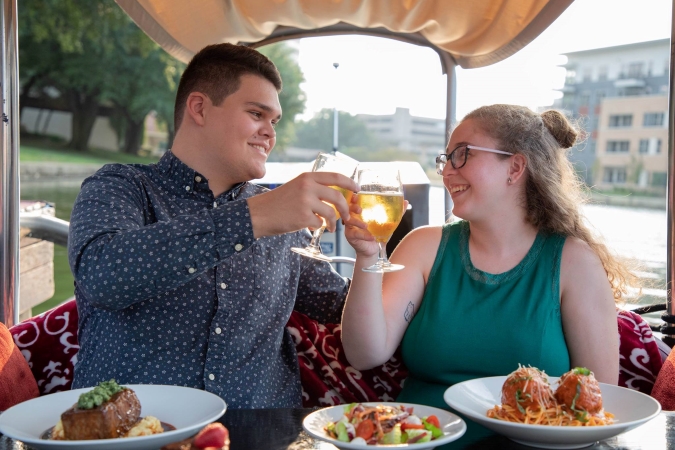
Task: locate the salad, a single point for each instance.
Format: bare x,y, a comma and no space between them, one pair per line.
384,425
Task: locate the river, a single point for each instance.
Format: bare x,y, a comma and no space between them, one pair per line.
635,233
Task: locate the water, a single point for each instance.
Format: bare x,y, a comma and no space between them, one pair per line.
634,233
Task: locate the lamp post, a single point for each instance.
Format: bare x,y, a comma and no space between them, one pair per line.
335,119
338,228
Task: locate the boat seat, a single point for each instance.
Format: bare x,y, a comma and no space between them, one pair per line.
49,344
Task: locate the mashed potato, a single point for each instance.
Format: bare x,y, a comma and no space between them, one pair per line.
145,427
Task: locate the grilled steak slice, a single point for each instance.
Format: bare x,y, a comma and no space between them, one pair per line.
110,420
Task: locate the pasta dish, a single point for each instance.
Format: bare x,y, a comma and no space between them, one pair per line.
527,397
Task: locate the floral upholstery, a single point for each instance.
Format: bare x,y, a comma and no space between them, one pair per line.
49,344
640,358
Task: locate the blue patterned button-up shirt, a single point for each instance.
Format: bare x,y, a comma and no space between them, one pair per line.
172,287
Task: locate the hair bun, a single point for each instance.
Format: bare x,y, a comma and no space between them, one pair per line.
560,128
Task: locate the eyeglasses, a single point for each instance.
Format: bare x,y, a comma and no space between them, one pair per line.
459,155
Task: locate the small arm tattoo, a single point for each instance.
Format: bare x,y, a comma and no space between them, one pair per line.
409,312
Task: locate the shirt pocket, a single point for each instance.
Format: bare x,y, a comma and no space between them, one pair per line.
276,279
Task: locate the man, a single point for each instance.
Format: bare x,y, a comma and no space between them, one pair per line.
183,269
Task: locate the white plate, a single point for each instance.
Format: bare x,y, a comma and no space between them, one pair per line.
630,408
187,409
453,426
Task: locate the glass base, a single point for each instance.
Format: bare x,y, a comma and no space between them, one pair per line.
310,252
382,268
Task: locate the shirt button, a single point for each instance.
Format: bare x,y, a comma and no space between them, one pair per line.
187,188
198,178
218,331
212,377
238,247
191,270
223,286
215,204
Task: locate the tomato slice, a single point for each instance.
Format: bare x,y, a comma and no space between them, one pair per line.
434,421
365,429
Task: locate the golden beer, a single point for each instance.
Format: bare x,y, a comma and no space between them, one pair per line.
346,193
381,213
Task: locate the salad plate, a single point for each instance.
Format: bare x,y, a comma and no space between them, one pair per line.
474,398
452,426
187,409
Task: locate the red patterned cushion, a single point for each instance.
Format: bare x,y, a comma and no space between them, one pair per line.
327,378
639,355
49,344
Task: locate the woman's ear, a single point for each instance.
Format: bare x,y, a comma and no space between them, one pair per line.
517,167
195,106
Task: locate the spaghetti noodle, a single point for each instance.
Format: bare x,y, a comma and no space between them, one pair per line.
528,398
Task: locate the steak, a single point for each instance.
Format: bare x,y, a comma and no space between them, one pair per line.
112,419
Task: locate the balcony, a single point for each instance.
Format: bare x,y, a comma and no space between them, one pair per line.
629,83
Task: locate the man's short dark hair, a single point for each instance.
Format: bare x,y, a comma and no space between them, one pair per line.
216,71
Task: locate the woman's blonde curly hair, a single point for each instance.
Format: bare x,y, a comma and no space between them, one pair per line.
553,194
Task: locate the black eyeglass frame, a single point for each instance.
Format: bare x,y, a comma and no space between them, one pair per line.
443,158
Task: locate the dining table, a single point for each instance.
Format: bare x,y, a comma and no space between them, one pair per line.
281,429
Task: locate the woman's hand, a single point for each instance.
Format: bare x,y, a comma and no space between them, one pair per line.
357,233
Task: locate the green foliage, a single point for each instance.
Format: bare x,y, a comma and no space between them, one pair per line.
92,53
317,133
291,97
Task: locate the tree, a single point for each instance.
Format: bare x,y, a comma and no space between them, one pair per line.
93,56
291,97
317,133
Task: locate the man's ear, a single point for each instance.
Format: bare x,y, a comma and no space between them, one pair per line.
517,167
195,106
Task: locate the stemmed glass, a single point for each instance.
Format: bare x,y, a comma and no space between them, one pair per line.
325,162
381,202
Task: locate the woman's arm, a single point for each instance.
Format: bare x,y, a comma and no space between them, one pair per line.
379,308
588,312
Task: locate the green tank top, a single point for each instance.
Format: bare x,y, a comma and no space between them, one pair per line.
473,324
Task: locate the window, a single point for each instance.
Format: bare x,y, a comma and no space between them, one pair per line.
570,77
635,70
659,179
651,146
644,146
614,175
585,98
622,120
588,72
618,146
602,73
653,119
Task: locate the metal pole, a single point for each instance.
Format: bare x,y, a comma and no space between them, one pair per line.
669,329
450,116
9,164
338,228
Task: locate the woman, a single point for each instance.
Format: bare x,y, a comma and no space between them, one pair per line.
520,279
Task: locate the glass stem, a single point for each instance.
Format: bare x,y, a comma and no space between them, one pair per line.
382,257
316,237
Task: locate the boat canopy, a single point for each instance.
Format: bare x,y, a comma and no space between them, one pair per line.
474,33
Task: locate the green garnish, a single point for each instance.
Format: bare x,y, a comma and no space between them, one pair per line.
521,398
581,371
581,416
576,397
99,395
516,380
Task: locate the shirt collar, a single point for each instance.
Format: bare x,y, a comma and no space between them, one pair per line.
187,180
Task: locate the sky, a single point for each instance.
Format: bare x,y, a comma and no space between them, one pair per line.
376,75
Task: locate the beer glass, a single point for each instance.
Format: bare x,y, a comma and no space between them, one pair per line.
381,202
325,162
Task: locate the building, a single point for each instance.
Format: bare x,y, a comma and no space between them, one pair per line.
619,95
421,135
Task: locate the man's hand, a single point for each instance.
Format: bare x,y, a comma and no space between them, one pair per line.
300,204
